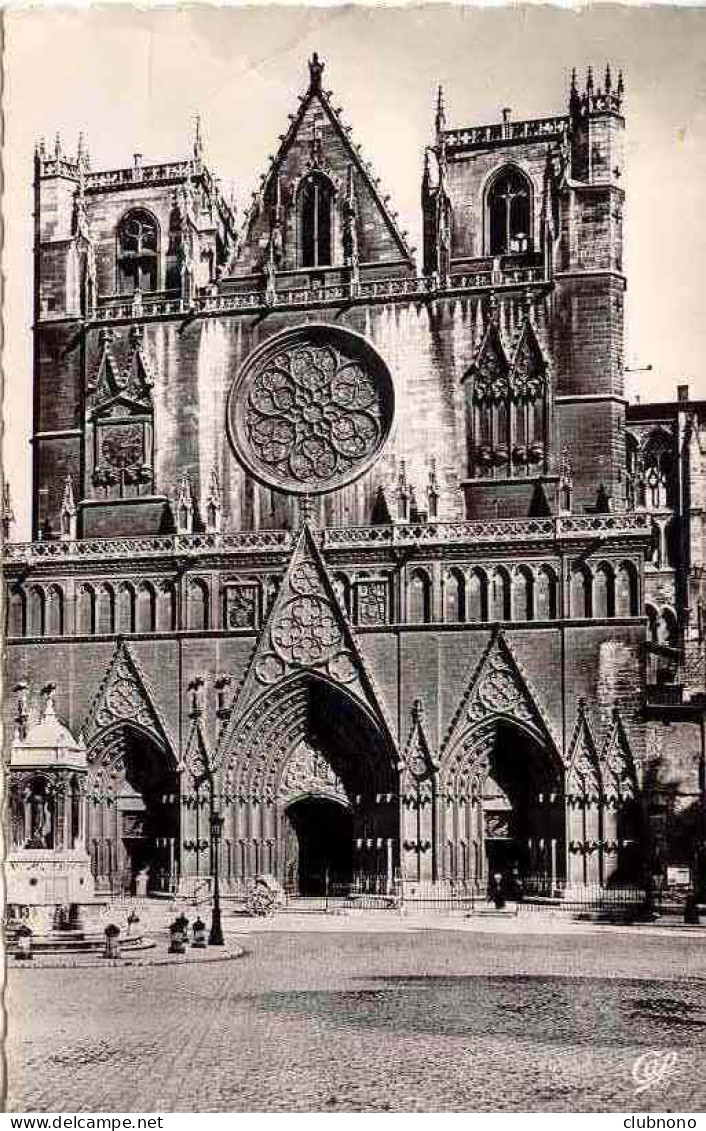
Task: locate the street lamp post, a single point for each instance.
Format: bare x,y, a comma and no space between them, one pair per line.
215,937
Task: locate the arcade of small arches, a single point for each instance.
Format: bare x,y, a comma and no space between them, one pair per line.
453,594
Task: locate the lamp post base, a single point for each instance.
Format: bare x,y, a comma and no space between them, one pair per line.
215,937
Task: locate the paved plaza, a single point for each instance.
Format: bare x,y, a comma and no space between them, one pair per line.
511,1017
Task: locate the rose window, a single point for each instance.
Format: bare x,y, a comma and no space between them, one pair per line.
311,410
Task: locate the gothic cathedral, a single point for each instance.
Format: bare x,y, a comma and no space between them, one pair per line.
370,558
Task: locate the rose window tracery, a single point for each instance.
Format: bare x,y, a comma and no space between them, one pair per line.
306,632
311,410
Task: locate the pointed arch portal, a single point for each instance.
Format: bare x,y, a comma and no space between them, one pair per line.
504,807
309,787
133,811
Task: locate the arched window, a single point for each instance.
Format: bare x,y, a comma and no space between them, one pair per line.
604,592
545,594
55,611
146,608
315,200
659,469
166,607
126,609
86,610
138,252
523,594
37,611
581,603
626,590
667,628
509,214
198,615
16,611
500,595
419,598
477,596
105,621
455,597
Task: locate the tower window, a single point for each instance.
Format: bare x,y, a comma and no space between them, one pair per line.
316,201
509,214
138,248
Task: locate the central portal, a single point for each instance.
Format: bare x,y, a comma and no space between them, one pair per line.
318,845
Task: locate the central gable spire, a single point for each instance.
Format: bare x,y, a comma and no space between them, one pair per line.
318,147
307,630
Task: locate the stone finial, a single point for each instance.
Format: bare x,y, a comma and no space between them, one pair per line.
198,139
58,153
221,684
195,689
621,86
48,709
418,711
316,70
185,506
82,155
608,84
589,81
402,492
8,515
213,503
440,116
68,512
433,490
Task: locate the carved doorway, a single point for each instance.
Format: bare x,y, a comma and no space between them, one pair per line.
522,808
318,845
133,812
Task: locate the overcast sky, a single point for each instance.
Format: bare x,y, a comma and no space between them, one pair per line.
133,80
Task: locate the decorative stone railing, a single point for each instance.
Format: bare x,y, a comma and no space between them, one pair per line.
466,534
117,307
530,130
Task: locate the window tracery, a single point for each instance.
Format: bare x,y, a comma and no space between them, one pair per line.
138,252
507,402
509,214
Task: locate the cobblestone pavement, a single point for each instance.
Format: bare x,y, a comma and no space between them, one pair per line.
423,1020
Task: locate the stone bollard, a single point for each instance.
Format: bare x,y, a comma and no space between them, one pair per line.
177,944
183,923
199,930
24,943
112,941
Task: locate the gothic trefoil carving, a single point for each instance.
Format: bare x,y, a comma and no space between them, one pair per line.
499,689
619,774
307,630
417,759
583,760
124,697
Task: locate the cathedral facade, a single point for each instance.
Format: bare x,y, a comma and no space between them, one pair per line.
373,562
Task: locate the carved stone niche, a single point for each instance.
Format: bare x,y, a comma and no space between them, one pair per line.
241,606
311,409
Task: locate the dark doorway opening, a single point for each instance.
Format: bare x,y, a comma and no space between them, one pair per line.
319,848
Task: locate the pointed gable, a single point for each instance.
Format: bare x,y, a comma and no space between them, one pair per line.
619,775
124,697
499,689
584,768
417,759
490,369
528,367
123,381
306,631
317,143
